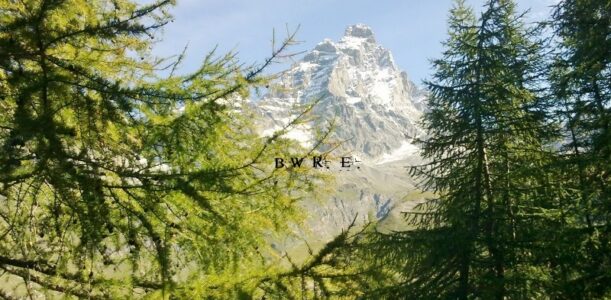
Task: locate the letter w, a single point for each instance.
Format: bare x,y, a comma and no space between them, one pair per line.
296,162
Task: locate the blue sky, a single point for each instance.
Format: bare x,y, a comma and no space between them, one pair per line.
412,30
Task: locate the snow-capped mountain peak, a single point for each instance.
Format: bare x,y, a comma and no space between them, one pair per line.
360,84
376,109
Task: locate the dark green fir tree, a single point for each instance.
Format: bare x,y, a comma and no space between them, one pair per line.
581,83
488,151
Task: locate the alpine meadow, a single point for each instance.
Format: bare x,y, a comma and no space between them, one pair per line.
125,174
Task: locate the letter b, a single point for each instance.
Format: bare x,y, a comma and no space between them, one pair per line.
279,162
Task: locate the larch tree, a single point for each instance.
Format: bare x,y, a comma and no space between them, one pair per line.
117,182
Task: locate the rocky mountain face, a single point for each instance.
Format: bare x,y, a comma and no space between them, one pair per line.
376,108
